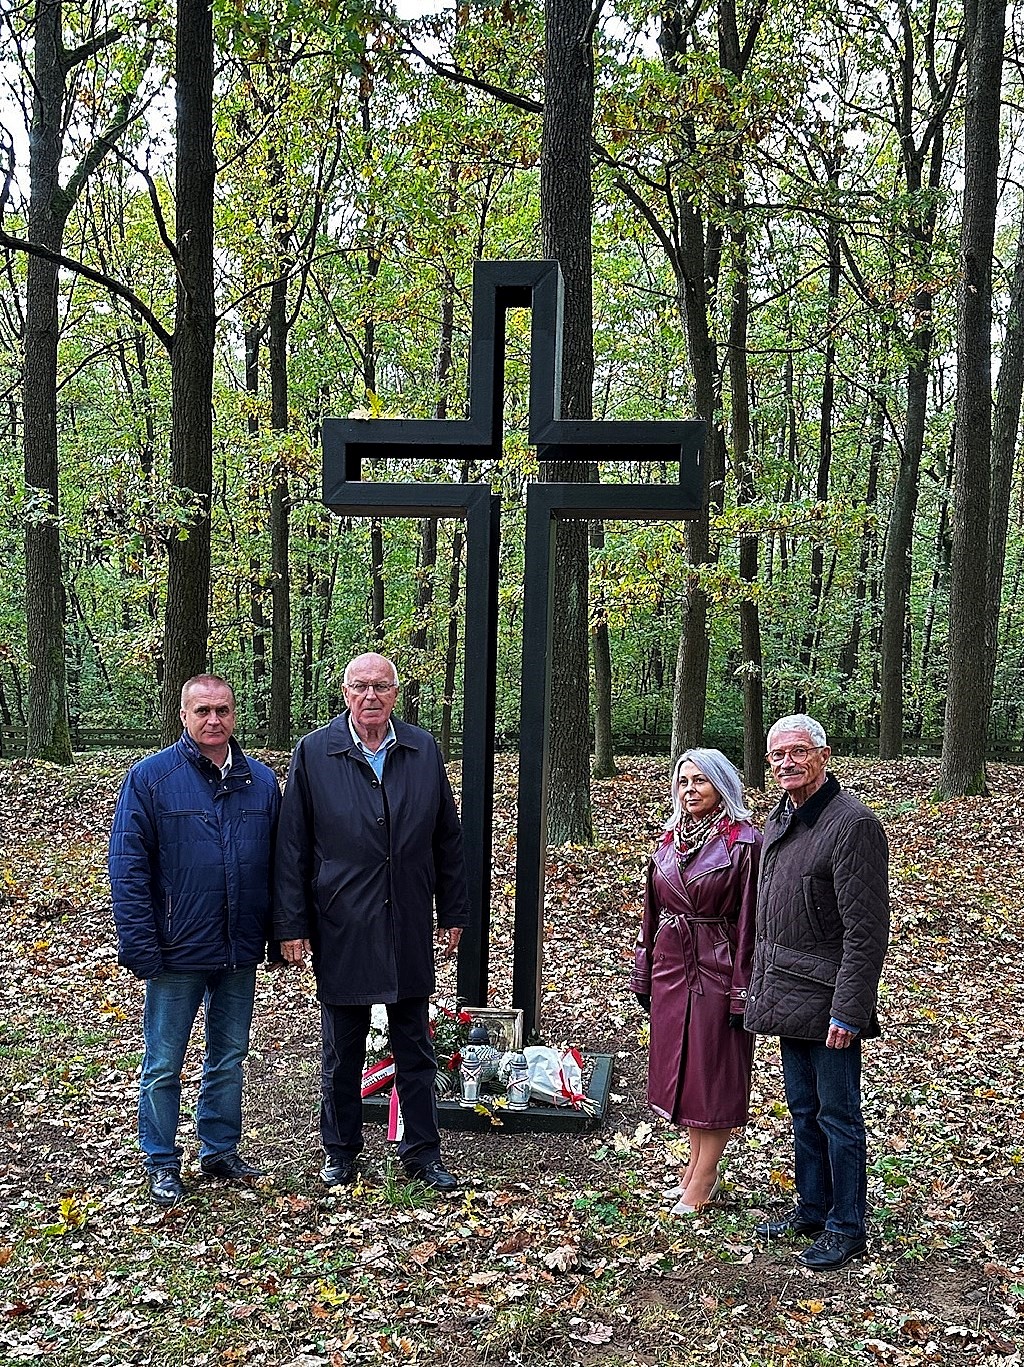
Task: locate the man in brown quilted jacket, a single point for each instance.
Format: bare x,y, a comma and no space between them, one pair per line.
821,937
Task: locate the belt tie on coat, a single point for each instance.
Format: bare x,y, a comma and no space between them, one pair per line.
688,944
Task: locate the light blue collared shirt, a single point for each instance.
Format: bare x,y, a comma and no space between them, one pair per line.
375,759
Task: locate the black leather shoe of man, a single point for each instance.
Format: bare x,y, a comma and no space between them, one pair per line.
435,1175
230,1167
340,1174
166,1187
788,1227
832,1250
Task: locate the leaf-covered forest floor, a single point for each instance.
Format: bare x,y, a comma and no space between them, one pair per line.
556,1248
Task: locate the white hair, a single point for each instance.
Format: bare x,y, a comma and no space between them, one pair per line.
726,781
366,655
799,721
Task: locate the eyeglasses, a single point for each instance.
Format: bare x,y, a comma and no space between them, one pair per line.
364,686
795,752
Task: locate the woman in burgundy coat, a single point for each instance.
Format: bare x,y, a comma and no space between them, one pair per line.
693,959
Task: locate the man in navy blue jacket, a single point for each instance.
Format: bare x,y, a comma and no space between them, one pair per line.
190,873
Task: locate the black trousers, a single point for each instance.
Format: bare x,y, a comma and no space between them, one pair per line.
344,1030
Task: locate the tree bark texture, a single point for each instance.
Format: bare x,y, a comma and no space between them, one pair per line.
928,148
257,615
48,736
963,746
279,727
809,644
187,621
452,645
696,264
851,649
426,565
752,661
566,199
604,745
1005,424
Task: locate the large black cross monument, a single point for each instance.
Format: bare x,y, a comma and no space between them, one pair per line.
497,287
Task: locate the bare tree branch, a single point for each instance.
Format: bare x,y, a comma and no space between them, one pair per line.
76,55
14,243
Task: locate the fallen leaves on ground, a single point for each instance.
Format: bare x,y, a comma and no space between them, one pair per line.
556,1248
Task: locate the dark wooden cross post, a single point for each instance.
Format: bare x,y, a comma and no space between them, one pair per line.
497,287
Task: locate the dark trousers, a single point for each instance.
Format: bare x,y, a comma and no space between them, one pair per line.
823,1095
344,1030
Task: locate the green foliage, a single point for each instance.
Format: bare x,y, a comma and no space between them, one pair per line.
354,170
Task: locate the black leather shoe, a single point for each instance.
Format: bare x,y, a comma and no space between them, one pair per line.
435,1175
831,1251
166,1187
230,1167
787,1227
340,1174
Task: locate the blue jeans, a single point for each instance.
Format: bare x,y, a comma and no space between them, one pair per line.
823,1095
172,1004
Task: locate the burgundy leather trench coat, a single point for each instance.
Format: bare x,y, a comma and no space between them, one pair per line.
693,956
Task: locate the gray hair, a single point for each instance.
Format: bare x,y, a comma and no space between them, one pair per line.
714,766
799,721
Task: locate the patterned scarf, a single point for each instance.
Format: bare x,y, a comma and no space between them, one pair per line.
690,836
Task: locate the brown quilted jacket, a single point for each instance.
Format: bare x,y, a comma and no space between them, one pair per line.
822,918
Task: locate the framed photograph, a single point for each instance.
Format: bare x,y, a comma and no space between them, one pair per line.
504,1027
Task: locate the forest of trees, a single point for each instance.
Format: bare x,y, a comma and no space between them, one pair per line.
802,223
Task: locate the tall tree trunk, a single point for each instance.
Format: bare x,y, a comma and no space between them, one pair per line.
452,648
604,746
48,736
425,566
279,728
940,578
751,668
1005,424
809,644
187,621
963,745
851,649
377,578
566,212
923,196
896,562
257,616
427,562
696,263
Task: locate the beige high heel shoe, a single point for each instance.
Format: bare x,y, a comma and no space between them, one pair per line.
683,1208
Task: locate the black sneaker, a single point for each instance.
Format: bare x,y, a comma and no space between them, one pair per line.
339,1174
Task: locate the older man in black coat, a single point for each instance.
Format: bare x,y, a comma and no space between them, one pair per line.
368,842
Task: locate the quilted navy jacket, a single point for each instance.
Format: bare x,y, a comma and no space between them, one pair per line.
822,918
190,862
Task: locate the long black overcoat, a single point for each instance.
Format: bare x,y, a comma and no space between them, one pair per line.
360,865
